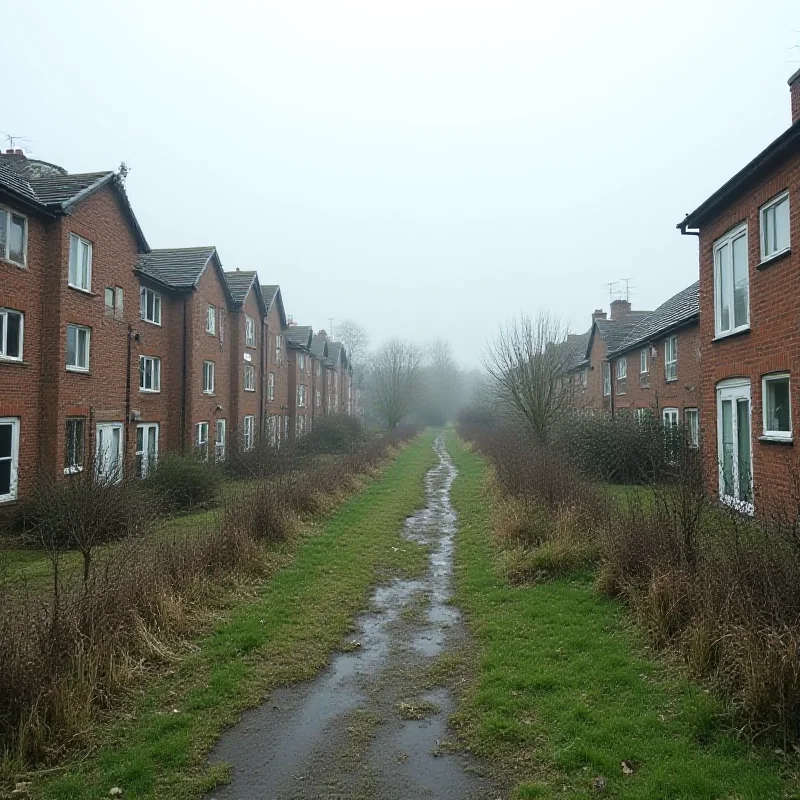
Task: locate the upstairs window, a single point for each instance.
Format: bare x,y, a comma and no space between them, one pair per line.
80,263
11,329
301,361
671,358
149,374
211,319
278,349
731,283
777,408
78,338
150,306
271,386
249,331
13,237
208,377
622,368
249,378
301,396
775,227
606,379
644,361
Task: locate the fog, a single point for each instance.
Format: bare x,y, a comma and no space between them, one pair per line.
427,169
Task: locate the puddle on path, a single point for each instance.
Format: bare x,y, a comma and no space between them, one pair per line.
341,735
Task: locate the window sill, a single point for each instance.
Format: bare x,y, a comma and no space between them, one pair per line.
7,500
770,260
150,322
18,266
212,333
87,292
209,394
249,390
78,371
72,470
776,439
149,391
721,336
14,362
670,380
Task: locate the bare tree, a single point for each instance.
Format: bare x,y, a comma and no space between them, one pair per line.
395,380
442,384
527,362
355,339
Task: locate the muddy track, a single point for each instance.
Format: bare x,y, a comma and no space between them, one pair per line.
373,725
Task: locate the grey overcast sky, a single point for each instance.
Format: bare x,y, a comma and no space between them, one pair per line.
425,167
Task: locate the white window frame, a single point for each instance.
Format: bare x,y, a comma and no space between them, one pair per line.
248,426
145,466
249,372
249,331
79,243
301,361
71,469
318,398
278,349
271,386
211,319
693,427
100,473
201,439
5,254
735,390
4,312
78,329
644,361
765,380
143,296
671,358
301,396
155,374
729,239
220,440
606,379
762,214
622,368
209,377
671,417
639,415
13,457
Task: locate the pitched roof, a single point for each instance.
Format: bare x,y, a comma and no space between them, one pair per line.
299,336
614,332
579,343
680,309
16,183
178,267
64,190
239,282
319,346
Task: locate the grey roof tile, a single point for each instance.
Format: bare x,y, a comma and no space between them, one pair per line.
614,332
579,343
678,310
61,190
298,335
16,183
178,267
239,282
318,345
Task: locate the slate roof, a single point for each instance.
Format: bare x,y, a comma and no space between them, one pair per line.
63,190
298,335
579,344
678,310
16,183
178,267
239,282
269,293
319,345
614,332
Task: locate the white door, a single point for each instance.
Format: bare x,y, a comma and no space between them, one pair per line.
108,452
734,445
219,445
146,448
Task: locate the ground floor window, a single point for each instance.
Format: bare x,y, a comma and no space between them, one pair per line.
300,428
146,448
734,444
9,458
201,439
274,429
73,445
108,456
219,444
248,423
777,408
692,419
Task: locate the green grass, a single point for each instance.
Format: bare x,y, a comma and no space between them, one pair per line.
564,689
284,634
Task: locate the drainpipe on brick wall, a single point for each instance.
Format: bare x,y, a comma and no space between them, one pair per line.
263,369
611,384
127,397
183,381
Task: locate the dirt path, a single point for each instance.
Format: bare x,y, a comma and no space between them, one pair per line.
367,727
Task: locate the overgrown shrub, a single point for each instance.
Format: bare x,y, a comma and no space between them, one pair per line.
260,512
183,483
332,435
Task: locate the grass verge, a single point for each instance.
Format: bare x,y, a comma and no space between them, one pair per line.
283,634
565,692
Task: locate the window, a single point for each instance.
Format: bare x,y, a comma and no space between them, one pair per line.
670,417
80,263
146,448
208,377
775,227
9,458
271,386
640,415
211,320
644,361
301,361
300,428
731,283
13,237
201,439
734,450
319,369
249,331
219,444
78,348
108,458
274,429
622,368
671,358
777,409
584,376
115,297
278,350
692,419
606,379
301,396
249,378
149,374
248,423
11,328
73,446
150,306
318,398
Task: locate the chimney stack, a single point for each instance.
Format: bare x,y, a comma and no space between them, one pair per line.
794,89
619,308
598,314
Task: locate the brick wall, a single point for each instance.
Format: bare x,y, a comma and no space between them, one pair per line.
278,365
243,402
590,397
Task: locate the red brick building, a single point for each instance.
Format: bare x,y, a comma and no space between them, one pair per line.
749,331
276,367
298,340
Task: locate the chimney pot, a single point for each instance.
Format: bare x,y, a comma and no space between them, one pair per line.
794,90
598,314
10,151
19,152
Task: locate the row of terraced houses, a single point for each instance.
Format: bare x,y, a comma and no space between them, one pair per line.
112,352
722,356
